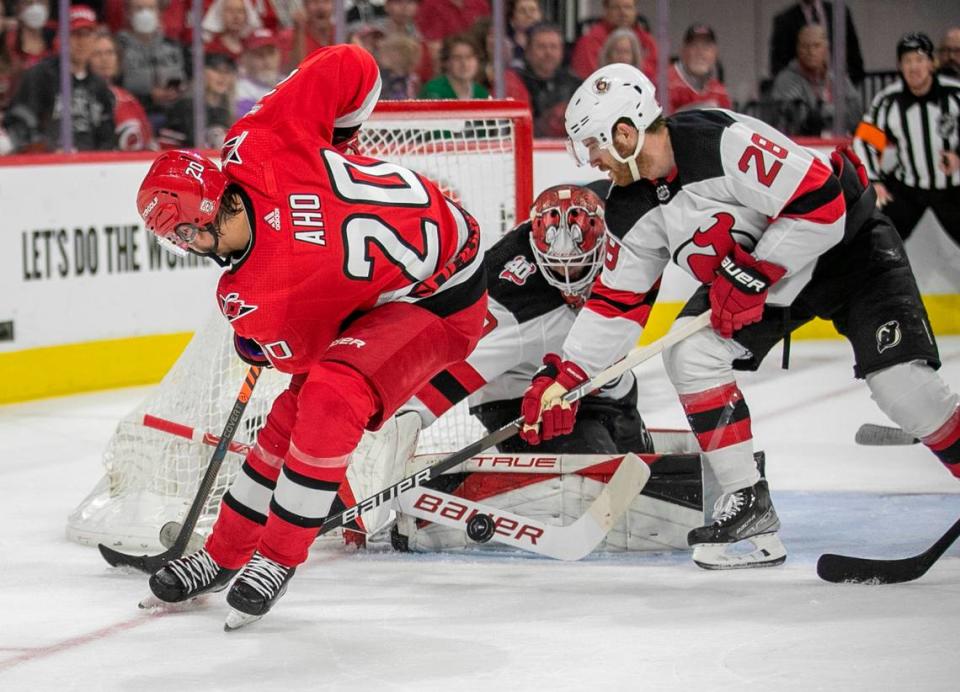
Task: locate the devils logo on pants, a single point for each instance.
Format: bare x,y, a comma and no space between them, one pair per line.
888,336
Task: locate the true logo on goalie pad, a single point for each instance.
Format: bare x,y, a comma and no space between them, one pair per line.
888,336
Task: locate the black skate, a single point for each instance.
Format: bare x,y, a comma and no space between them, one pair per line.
186,578
743,534
261,584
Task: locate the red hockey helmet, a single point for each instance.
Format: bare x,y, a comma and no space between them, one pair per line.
180,196
567,236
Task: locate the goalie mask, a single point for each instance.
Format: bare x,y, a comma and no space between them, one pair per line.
567,237
179,197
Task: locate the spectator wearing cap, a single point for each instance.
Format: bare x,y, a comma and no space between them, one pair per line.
622,46
133,129
226,26
260,64
909,141
220,79
692,81
438,19
806,90
313,28
549,84
617,14
401,19
33,121
460,60
152,65
949,53
787,26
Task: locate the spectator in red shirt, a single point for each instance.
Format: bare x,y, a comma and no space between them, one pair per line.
692,80
313,28
438,19
623,46
226,26
617,14
132,126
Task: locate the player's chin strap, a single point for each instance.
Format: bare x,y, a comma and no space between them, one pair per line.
631,159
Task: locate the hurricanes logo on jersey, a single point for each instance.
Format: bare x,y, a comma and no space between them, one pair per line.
888,336
233,307
518,270
231,149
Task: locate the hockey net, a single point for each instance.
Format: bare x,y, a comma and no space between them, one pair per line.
478,152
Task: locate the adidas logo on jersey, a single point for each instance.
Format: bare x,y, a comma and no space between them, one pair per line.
273,219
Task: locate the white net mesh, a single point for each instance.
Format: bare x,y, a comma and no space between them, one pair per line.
152,476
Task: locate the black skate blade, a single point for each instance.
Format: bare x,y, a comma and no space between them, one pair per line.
843,569
145,563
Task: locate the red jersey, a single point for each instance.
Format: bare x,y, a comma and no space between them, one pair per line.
334,235
437,19
684,95
133,128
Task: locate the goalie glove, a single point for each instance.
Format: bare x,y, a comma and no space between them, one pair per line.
250,352
545,413
739,291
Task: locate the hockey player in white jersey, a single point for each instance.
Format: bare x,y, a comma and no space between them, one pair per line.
538,277
777,235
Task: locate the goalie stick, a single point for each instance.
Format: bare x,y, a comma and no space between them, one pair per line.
861,570
883,435
631,360
151,563
571,542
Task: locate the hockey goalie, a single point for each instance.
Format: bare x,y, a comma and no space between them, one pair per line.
538,277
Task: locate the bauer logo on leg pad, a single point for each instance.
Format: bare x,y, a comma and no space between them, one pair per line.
888,336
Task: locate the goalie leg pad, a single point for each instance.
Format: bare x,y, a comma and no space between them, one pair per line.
380,461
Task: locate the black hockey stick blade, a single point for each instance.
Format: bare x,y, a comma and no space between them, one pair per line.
883,435
151,563
861,570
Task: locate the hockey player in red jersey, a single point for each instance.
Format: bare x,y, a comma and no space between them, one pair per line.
777,235
356,276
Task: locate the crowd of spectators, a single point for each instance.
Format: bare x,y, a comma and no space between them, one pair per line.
132,67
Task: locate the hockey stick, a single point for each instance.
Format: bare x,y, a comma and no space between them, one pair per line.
860,570
151,563
571,542
185,431
872,434
631,360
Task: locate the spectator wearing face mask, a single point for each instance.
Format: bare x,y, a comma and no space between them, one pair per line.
25,42
153,66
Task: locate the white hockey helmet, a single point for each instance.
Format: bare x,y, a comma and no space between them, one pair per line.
612,93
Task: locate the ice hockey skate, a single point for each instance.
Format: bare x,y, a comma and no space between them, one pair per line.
743,533
186,578
259,586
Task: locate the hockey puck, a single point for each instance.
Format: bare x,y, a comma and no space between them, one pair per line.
480,528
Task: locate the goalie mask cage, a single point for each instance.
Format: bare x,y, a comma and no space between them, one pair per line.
478,152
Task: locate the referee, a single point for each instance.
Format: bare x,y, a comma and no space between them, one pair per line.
908,141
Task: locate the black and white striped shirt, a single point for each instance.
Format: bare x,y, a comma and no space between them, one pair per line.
904,136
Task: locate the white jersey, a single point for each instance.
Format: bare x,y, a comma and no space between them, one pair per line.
527,318
737,180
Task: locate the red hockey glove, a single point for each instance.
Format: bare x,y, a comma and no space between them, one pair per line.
836,160
250,352
738,293
545,414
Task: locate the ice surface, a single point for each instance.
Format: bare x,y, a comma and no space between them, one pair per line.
501,622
